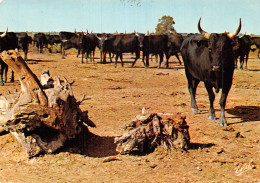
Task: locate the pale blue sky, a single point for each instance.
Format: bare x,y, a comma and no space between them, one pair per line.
128,15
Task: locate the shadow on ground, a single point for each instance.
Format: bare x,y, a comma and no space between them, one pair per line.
246,113
91,145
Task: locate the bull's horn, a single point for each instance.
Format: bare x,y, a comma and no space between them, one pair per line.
64,40
4,34
237,31
205,34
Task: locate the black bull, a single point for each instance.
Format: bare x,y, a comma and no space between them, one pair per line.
119,44
209,58
8,40
159,45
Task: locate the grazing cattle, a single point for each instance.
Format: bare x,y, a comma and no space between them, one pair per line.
23,42
70,40
119,44
174,46
8,41
40,40
153,44
256,41
209,58
52,39
245,47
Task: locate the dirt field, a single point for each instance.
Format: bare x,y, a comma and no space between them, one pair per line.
115,96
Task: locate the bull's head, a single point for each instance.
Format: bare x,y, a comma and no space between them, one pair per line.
140,38
219,46
101,42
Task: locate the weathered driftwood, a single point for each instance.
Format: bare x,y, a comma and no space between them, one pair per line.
146,132
42,116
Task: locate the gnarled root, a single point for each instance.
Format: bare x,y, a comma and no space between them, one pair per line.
146,132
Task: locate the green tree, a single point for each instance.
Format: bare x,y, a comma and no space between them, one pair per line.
165,25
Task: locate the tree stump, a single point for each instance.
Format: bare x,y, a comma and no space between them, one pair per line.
146,132
42,116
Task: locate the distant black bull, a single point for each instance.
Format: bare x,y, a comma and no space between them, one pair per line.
8,41
40,40
88,43
209,58
153,44
159,45
52,39
119,44
23,42
256,41
245,47
69,40
174,46
104,48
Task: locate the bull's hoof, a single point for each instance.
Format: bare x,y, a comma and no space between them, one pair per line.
1,83
212,118
195,110
222,122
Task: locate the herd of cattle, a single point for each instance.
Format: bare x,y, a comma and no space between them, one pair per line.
210,58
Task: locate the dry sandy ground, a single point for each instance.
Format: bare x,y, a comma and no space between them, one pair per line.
115,96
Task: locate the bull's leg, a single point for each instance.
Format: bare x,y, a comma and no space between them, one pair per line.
178,58
101,56
192,86
41,48
104,57
167,61
121,58
61,48
25,54
83,57
137,53
211,94
147,61
111,57
246,61
222,102
161,60
241,62
78,53
116,60
156,58
93,56
89,56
